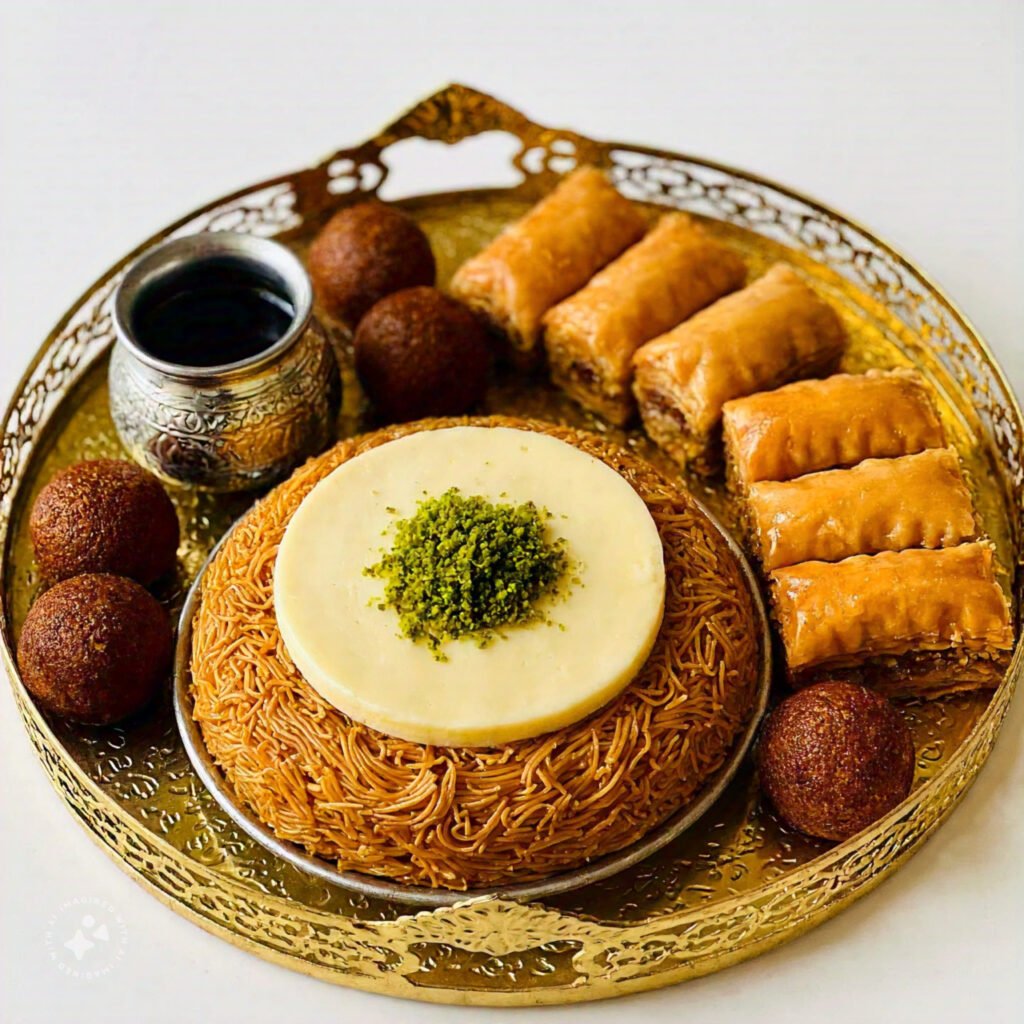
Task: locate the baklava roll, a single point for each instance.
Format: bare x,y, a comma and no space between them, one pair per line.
676,270
820,424
548,254
774,330
916,501
909,623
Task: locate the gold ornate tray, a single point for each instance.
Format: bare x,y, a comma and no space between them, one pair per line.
737,883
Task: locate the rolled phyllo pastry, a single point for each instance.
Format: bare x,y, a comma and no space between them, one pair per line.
820,424
548,254
909,623
774,330
916,501
673,272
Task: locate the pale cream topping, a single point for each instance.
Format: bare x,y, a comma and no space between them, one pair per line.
530,680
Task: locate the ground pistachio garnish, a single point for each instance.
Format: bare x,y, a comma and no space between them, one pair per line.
467,567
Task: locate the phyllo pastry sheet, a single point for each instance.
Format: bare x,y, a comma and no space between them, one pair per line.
548,254
774,330
916,622
674,271
821,424
916,501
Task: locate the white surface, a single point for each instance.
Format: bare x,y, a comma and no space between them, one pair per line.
119,117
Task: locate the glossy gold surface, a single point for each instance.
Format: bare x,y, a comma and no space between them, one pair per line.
738,883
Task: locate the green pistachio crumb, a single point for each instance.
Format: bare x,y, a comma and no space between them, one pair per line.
465,567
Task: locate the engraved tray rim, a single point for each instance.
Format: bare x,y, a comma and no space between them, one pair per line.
611,959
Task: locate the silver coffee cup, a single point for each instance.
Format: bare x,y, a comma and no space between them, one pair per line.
227,426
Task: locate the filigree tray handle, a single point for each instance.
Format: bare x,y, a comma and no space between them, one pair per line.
450,116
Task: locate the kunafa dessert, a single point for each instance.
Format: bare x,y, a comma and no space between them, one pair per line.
915,623
820,424
834,758
365,252
373,694
878,505
774,330
670,274
547,255
104,516
94,648
421,353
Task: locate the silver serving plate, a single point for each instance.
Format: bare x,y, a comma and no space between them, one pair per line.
380,888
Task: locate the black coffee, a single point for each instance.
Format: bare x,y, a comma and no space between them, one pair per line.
221,310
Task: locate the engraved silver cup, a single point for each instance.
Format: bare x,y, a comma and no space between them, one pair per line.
235,426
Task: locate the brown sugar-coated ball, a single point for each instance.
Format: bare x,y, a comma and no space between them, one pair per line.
104,515
835,757
364,253
421,353
94,648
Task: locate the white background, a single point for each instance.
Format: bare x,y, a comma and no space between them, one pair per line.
119,117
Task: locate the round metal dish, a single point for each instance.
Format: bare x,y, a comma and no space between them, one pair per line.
420,896
731,886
